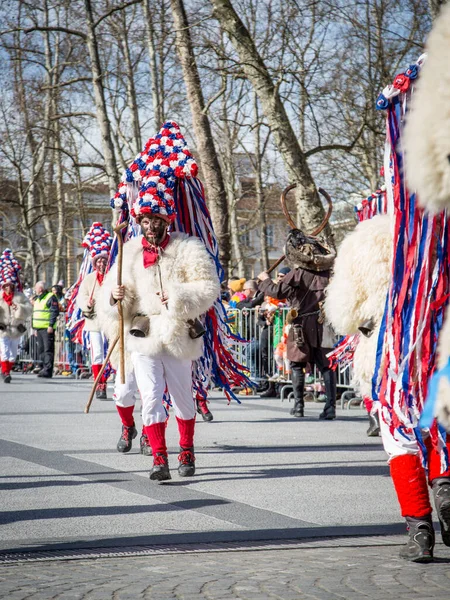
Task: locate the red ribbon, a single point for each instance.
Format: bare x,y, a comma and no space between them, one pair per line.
150,252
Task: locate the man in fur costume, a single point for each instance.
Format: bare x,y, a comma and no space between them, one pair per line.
15,309
98,241
304,290
169,280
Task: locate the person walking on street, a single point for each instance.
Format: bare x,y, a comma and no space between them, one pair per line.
45,315
15,309
98,241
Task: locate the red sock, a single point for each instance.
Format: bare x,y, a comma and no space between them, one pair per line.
156,434
434,461
410,483
126,414
368,403
4,365
186,429
96,370
11,366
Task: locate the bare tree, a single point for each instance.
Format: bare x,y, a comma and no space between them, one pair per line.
212,172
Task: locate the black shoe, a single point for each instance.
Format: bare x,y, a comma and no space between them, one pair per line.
298,410
126,439
328,414
101,394
160,471
374,426
271,391
7,378
146,449
441,493
202,409
420,545
45,374
262,388
186,468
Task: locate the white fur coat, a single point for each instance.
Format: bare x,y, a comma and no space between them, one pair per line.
358,288
15,315
427,132
88,285
190,281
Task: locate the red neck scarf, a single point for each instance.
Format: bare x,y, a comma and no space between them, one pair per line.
150,252
8,298
100,277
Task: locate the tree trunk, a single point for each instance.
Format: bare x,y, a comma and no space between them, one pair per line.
212,172
309,205
100,102
155,84
260,200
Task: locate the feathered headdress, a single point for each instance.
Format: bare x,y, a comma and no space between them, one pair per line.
9,269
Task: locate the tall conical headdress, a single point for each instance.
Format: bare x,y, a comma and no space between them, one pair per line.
9,269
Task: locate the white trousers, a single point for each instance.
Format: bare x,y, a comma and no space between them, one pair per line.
150,376
8,348
397,444
97,347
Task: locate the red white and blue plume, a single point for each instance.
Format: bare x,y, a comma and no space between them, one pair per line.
9,269
148,185
98,241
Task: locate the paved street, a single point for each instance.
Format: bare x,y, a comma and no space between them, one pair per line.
279,508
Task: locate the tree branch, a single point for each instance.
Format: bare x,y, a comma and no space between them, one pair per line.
115,9
80,34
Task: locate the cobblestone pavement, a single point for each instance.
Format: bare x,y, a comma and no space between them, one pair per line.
317,570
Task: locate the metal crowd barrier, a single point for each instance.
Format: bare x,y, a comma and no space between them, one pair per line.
261,355
70,358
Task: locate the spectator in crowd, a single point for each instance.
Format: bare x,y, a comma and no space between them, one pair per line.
252,298
281,274
57,291
45,315
236,287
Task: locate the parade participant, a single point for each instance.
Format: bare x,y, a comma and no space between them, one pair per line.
45,315
169,280
98,242
303,288
15,309
405,318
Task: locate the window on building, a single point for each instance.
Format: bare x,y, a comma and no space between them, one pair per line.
270,235
244,236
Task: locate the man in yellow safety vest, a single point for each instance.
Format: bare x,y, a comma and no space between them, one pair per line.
45,314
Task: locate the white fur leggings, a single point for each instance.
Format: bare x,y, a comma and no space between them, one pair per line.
8,348
149,377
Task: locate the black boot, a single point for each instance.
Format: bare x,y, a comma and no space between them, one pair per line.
419,547
202,409
374,425
100,392
441,494
271,391
126,438
186,468
298,385
329,411
160,471
146,449
7,378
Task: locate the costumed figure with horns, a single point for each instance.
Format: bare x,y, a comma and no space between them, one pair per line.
15,309
97,242
170,281
304,289
401,353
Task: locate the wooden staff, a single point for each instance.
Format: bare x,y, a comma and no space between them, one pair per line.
97,379
117,231
275,264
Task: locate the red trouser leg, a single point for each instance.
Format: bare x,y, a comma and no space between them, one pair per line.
126,415
96,370
434,462
186,430
410,483
156,434
4,365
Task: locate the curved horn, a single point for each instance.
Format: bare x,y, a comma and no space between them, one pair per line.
322,226
284,193
289,218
